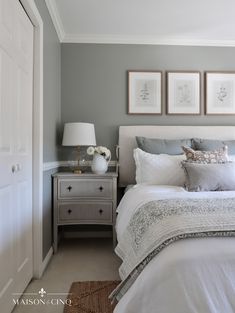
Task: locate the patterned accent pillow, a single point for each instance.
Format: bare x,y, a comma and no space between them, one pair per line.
215,156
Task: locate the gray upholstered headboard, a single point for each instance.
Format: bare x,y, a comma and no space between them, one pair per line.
127,142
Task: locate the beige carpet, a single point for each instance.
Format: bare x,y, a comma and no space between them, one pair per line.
90,297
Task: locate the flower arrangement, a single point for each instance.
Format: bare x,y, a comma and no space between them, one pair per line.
105,152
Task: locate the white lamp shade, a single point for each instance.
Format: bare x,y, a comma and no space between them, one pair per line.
79,134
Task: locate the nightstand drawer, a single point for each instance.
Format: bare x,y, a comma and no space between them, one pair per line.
86,212
100,188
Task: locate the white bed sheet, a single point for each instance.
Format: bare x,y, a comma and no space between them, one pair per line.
189,276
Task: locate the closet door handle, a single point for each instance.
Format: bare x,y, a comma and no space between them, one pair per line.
101,188
14,169
69,188
101,211
69,211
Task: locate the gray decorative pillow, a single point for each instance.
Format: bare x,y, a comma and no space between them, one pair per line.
162,146
211,144
216,156
209,177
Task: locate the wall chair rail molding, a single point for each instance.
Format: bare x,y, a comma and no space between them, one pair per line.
47,166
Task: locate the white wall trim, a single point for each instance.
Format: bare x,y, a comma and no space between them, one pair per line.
46,261
126,39
47,166
35,17
55,16
144,40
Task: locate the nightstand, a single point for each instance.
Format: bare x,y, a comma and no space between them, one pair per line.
84,199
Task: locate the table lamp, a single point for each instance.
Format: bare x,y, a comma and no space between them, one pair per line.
79,134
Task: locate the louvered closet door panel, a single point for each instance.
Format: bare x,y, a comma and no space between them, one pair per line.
16,83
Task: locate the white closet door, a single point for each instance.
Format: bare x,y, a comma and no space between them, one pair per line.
16,85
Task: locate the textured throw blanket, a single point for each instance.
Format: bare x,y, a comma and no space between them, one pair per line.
158,223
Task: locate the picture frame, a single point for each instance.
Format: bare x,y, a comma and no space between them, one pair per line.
219,93
144,92
183,92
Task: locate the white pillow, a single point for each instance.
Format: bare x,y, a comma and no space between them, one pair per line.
159,169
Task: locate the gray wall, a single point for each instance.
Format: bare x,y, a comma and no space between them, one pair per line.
51,115
52,86
94,83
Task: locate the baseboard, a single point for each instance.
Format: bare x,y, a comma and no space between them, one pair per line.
87,234
46,261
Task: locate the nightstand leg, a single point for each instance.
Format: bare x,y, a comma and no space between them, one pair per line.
114,237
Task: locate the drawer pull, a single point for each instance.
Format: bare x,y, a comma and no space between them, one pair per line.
100,211
69,188
69,211
101,188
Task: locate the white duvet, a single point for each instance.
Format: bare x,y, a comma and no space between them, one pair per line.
188,276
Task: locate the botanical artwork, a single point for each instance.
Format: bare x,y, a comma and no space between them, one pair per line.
223,93
145,92
184,93
220,93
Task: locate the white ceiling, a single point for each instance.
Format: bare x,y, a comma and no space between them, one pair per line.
183,22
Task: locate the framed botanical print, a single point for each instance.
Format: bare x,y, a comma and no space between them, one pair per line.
183,92
144,92
220,92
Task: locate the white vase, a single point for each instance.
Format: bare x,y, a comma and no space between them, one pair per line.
99,165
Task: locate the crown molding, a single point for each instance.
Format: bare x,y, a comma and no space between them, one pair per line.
55,16
126,39
144,40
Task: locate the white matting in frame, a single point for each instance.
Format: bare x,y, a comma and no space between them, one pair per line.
220,93
183,93
144,92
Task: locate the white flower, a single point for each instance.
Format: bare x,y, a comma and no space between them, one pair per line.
105,152
90,150
100,149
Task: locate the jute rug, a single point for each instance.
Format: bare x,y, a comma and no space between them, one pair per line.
90,297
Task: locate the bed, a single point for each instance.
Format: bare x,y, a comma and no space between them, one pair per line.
193,273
